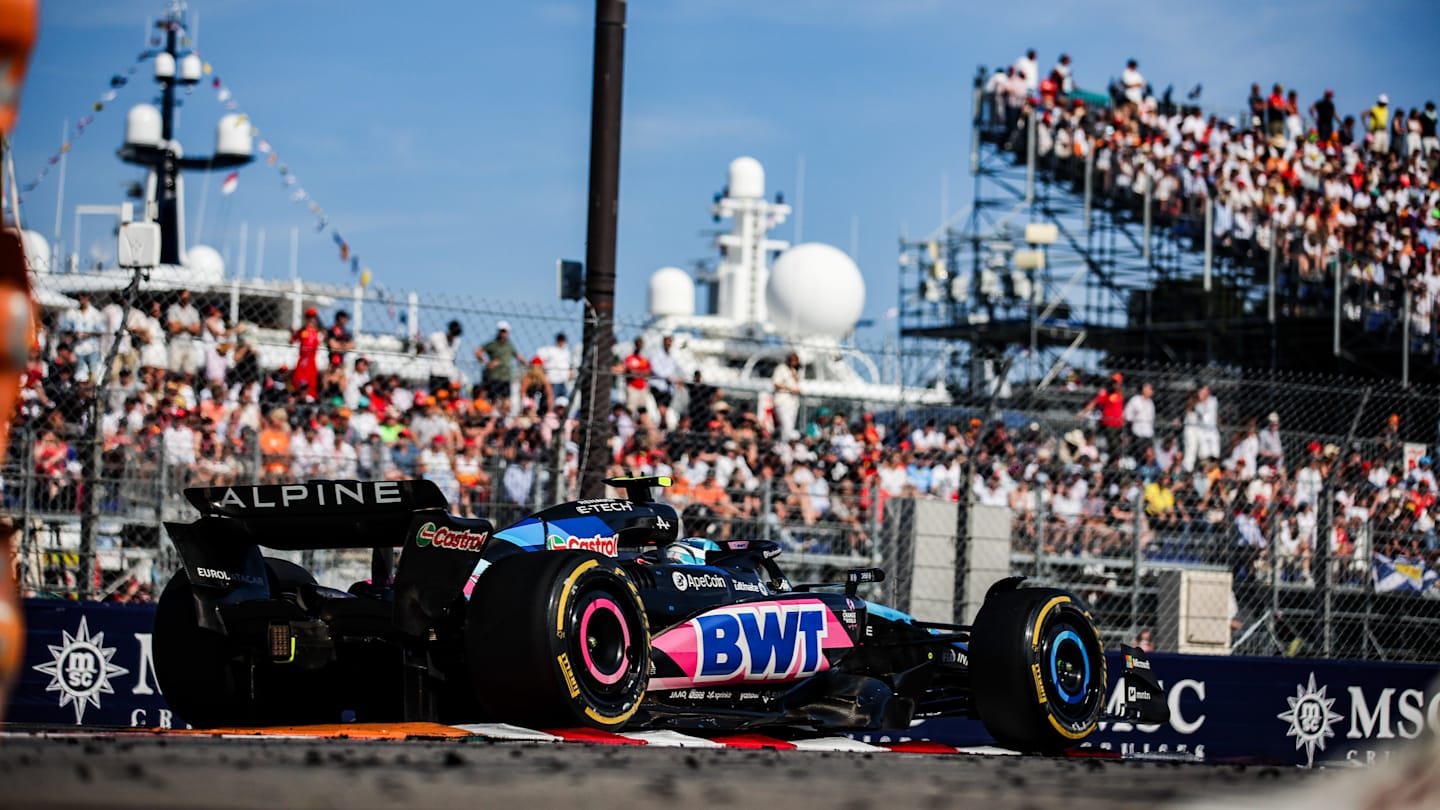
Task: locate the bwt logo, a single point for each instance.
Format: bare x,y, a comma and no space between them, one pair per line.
760,643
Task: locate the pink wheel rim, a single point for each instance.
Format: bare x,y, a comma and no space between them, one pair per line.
606,678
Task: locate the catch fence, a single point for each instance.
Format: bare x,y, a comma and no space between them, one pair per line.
1312,532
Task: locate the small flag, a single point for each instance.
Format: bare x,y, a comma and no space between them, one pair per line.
206,69
231,181
344,251
263,146
365,277
354,264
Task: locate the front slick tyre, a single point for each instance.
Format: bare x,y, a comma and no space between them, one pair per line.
557,638
1038,669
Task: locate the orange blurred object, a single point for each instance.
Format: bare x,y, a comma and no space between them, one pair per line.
19,24
17,335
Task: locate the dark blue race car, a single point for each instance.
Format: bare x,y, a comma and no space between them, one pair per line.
603,613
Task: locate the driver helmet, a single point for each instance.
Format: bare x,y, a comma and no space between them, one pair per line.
690,550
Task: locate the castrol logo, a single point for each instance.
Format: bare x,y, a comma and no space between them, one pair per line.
607,544
460,540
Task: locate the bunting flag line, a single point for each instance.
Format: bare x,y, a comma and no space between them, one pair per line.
116,82
226,97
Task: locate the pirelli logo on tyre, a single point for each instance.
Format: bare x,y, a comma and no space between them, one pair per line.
1039,682
570,683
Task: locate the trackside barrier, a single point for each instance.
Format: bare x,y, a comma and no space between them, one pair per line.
1300,711
90,664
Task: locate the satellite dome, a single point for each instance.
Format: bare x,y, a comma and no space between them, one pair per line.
205,262
672,292
232,136
747,179
37,251
815,289
142,126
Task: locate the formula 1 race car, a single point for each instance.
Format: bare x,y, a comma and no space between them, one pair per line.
601,613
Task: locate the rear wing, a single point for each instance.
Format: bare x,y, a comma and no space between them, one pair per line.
319,514
221,551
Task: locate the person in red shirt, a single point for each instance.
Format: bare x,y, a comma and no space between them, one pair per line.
306,377
636,369
1111,402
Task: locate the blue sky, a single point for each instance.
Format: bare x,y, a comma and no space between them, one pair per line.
449,145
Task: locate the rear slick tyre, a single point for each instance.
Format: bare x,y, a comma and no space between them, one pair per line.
197,671
558,638
1037,667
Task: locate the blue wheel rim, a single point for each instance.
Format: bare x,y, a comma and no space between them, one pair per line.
1074,638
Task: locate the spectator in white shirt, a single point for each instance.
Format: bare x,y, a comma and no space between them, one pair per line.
1140,416
342,463
183,324
664,378
83,327
1030,68
559,365
1308,483
1133,82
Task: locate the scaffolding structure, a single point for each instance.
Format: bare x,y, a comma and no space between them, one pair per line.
1044,265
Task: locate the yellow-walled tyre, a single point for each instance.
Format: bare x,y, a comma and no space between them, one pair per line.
1037,668
558,638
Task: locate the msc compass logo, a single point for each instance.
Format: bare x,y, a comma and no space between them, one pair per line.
81,669
1310,718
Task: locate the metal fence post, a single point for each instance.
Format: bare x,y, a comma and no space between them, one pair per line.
1335,348
27,534
1209,244
162,485
1145,245
1041,568
1089,182
1270,284
1405,340
767,529
1135,563
1030,158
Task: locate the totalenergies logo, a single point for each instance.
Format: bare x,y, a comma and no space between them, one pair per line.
439,536
609,545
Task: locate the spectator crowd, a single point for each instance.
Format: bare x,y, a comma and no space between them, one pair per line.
1353,194
1194,482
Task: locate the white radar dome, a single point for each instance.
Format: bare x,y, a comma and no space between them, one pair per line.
191,68
232,136
815,289
205,262
747,179
37,251
672,292
164,66
142,126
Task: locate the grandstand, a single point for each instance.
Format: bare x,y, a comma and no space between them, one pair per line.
1282,263
1255,244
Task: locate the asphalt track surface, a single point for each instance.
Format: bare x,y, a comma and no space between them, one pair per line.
198,771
